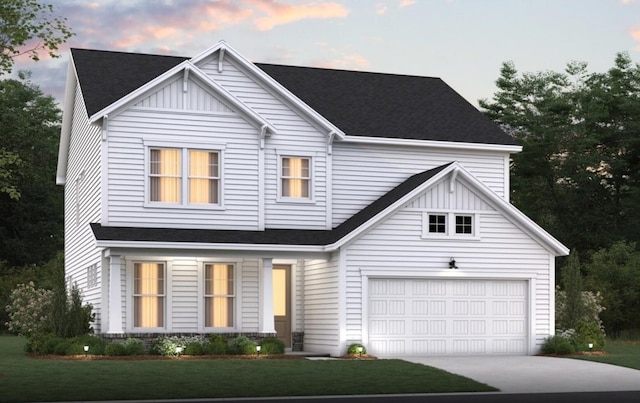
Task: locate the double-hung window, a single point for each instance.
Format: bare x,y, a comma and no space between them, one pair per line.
219,295
295,178
148,294
182,176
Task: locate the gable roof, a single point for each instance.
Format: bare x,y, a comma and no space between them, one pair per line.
321,240
359,103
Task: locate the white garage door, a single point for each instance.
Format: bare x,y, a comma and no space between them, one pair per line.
447,317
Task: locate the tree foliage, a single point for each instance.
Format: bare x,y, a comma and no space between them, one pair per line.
578,173
31,225
27,27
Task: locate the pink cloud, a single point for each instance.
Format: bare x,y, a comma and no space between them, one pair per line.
346,62
381,9
280,14
407,3
635,33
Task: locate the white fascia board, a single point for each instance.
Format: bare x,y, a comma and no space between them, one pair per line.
434,144
229,97
516,216
393,207
208,246
139,91
67,122
272,84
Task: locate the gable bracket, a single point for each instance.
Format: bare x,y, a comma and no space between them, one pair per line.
452,183
220,60
105,127
332,136
185,79
263,134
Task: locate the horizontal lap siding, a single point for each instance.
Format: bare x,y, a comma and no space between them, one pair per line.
363,173
127,171
184,296
295,136
248,298
82,206
396,244
321,303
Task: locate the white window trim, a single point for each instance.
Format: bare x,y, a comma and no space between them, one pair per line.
201,297
312,169
184,160
130,312
450,232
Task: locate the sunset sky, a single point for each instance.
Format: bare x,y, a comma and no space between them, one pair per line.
462,41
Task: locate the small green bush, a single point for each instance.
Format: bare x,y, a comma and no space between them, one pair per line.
557,345
216,345
134,346
271,345
63,347
353,349
588,332
115,349
195,348
242,345
96,344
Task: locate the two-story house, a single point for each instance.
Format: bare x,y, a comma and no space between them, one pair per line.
327,207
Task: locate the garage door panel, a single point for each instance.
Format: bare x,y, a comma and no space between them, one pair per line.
447,317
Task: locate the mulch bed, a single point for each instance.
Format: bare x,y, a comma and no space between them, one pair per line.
148,357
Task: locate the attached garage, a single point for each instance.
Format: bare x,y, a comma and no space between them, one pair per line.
447,316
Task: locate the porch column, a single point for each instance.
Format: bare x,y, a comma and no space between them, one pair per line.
115,295
266,321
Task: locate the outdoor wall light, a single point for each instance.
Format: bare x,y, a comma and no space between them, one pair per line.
258,348
86,350
452,264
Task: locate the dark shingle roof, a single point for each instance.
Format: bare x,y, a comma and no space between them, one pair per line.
359,103
268,236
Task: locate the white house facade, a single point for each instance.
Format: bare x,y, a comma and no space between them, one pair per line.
326,207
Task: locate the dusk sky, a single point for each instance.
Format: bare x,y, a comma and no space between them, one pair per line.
464,42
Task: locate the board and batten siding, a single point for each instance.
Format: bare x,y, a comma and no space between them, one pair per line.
363,173
396,248
82,205
237,141
322,307
296,136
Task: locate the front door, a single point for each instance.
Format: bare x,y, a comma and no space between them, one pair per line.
282,302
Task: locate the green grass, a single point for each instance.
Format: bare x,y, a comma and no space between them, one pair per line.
619,352
24,379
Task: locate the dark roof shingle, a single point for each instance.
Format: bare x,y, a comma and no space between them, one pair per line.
359,103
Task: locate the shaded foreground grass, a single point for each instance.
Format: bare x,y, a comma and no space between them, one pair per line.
24,379
618,352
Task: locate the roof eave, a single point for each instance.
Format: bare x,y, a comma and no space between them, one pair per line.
505,148
67,121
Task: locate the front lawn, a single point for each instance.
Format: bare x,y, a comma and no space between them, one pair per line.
24,379
617,352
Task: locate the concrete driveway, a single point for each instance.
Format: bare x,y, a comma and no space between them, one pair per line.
535,374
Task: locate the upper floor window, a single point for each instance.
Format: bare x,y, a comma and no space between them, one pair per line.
169,184
450,224
296,177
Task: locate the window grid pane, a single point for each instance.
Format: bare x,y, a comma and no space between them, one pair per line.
165,175
296,177
148,294
219,295
437,224
204,177
464,224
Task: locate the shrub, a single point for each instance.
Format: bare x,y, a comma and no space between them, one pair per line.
271,345
29,310
168,346
50,345
134,346
353,349
195,348
115,349
242,345
588,332
557,344
62,348
216,345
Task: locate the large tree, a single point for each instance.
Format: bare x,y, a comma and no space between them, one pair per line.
27,27
578,174
31,227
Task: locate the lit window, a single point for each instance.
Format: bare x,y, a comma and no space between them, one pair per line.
219,297
148,294
203,177
296,177
167,181
165,175
437,224
464,224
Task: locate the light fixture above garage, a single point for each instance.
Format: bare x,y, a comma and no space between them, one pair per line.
452,264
